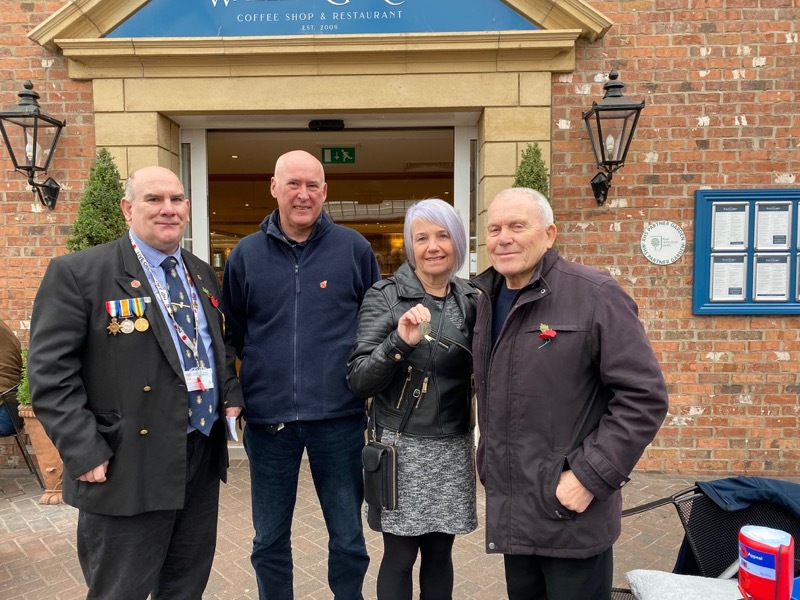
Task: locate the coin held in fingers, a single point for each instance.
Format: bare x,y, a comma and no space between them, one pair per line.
424,328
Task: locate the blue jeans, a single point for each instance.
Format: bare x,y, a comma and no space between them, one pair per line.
334,455
6,426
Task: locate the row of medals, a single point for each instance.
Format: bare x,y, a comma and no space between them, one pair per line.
127,325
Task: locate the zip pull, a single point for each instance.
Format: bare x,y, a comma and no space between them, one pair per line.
374,425
430,339
462,346
405,384
424,391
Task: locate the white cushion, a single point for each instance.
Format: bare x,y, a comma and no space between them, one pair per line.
659,585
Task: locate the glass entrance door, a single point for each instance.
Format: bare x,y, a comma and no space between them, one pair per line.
373,176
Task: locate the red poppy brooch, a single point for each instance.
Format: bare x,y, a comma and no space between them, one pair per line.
546,334
214,300
215,303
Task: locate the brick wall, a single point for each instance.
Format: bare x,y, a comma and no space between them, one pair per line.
29,233
9,454
721,79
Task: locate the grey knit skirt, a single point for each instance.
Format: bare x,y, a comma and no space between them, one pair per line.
436,486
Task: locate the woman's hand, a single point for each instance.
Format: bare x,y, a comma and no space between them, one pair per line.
408,325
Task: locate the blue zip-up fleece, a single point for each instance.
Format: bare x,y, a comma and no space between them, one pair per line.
293,321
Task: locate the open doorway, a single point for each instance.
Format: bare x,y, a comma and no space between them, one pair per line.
373,176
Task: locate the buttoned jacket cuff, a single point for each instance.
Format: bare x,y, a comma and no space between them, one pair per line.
395,349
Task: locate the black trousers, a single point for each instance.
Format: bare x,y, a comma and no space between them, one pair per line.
165,553
530,577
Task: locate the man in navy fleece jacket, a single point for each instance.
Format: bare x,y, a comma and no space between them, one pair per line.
291,294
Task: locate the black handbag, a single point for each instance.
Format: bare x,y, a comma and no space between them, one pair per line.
380,460
380,475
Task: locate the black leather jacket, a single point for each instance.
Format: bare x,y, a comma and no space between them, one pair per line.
384,367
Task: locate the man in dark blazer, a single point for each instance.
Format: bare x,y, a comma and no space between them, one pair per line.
110,361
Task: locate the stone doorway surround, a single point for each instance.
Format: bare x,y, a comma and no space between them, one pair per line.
140,84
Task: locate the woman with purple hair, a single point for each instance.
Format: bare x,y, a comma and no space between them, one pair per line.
412,357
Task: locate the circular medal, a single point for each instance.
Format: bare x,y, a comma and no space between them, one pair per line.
424,328
113,327
126,326
141,324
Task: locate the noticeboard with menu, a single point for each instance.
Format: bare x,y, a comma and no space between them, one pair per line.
747,252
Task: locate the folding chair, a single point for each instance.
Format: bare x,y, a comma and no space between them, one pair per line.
712,534
10,394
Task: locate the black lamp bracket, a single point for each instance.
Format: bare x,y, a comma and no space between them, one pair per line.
47,191
27,120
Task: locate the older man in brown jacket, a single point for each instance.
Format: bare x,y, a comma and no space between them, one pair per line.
569,395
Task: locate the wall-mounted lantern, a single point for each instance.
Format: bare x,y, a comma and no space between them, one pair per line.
31,136
611,125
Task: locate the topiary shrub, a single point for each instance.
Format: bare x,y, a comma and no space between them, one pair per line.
100,218
532,171
23,391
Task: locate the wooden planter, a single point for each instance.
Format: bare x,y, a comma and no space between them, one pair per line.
47,456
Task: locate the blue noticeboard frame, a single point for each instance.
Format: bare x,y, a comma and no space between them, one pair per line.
746,252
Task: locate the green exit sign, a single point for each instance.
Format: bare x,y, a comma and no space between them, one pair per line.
338,156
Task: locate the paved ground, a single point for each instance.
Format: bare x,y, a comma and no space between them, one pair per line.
38,559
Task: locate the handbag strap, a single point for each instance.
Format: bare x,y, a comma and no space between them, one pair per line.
410,407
